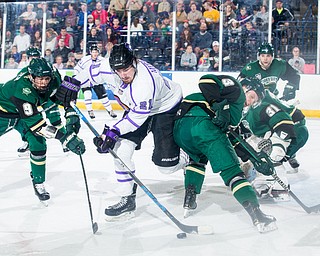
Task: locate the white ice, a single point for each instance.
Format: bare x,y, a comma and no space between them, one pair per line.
64,227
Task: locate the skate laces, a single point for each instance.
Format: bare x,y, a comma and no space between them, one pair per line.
123,202
40,188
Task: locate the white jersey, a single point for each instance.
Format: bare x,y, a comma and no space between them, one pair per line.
88,71
149,94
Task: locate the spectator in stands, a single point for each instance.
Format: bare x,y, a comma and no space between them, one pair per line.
71,63
202,39
32,27
194,17
81,14
42,8
111,36
243,15
261,18
229,15
67,38
70,15
181,16
164,8
211,15
135,6
100,13
146,17
62,50
11,64
108,49
119,6
111,15
8,42
280,22
296,61
48,56
214,58
28,15
24,62
36,38
79,50
51,39
185,39
16,55
204,62
22,40
94,37
188,60
152,4
90,22
57,19
58,62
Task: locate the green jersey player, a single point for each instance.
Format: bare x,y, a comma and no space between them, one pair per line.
20,101
270,70
200,130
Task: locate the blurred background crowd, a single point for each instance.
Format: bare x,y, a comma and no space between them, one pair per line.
65,30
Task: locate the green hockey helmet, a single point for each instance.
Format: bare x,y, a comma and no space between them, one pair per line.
33,52
266,48
41,72
252,83
121,56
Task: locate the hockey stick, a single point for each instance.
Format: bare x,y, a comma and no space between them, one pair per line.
201,230
94,225
258,156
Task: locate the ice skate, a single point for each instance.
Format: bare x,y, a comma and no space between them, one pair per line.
112,114
40,192
264,223
91,114
24,149
123,210
293,162
190,203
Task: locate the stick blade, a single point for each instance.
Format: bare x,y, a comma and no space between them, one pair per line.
95,227
314,209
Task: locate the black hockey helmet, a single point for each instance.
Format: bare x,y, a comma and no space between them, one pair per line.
266,48
94,47
33,52
121,56
252,83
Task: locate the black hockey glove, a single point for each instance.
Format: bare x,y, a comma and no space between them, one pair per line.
72,121
68,91
74,143
112,137
222,118
289,92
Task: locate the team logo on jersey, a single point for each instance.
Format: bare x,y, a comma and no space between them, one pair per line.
248,68
26,91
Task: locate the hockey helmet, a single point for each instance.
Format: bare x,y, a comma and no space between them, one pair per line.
40,68
266,48
121,56
252,83
94,47
33,52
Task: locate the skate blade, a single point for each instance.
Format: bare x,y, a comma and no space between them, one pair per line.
44,203
122,217
188,212
263,228
293,170
24,154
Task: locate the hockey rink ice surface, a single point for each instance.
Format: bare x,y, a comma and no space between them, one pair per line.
64,227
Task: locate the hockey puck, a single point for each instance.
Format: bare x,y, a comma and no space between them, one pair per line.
181,235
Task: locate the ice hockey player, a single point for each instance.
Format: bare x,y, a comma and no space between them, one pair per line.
279,129
151,102
82,70
269,70
20,99
200,130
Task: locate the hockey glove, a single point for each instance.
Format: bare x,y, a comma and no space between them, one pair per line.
68,91
262,166
222,118
72,121
289,92
265,145
111,137
74,143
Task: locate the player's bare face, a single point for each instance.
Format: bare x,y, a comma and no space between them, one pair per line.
41,83
265,60
94,54
126,74
251,98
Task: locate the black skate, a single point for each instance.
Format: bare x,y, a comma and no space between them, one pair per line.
294,165
263,222
190,203
40,192
122,210
112,114
91,114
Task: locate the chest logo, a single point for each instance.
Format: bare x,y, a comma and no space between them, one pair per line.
26,91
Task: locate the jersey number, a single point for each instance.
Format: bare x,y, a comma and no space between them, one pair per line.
27,109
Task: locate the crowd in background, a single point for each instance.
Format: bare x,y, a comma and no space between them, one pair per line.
197,31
